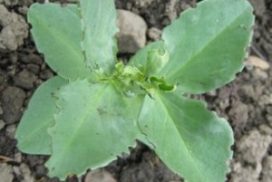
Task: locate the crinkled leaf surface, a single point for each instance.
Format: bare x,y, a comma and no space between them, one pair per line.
32,133
57,34
191,140
140,59
99,29
95,124
207,44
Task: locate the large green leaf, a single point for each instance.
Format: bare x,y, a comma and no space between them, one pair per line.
191,141
207,44
96,123
57,34
32,133
99,29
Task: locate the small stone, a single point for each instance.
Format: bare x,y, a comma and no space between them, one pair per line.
253,147
171,10
10,130
267,170
34,160
25,79
257,62
26,173
132,35
16,170
12,100
260,74
239,114
14,30
99,176
9,2
143,3
259,6
223,104
2,124
268,116
6,173
154,33
23,10
33,68
264,129
265,100
18,157
40,170
269,110
143,172
212,93
46,74
32,58
247,91
245,174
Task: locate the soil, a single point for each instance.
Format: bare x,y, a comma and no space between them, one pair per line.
246,102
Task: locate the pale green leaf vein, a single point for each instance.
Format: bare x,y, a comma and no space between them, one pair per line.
187,147
199,52
59,36
82,120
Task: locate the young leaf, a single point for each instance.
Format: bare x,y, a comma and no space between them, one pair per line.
151,59
57,34
32,133
207,44
99,28
191,141
140,59
96,123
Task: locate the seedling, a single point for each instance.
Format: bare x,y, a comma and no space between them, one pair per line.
97,107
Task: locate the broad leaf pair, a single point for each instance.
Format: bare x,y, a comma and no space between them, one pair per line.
96,108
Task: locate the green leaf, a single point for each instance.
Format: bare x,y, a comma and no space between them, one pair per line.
156,60
96,123
207,44
191,141
32,133
57,34
145,58
99,29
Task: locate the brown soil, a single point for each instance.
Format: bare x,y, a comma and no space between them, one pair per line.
246,102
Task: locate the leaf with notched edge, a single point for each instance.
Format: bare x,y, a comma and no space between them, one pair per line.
96,124
189,139
207,44
58,38
32,133
99,29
